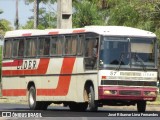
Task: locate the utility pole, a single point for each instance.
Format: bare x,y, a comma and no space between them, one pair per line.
36,13
17,20
64,14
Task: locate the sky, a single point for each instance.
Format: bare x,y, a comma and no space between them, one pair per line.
9,11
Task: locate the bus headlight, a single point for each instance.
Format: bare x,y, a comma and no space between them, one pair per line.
110,92
150,93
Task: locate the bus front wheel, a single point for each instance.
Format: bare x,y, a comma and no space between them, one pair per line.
92,104
141,106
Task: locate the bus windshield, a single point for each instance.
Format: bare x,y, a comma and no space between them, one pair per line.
120,52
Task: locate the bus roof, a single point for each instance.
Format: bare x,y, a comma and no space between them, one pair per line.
102,30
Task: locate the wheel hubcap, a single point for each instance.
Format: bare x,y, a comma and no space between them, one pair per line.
89,97
31,99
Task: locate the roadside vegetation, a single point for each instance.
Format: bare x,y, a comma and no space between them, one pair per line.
157,102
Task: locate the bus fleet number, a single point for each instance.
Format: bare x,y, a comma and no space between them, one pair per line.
112,73
27,65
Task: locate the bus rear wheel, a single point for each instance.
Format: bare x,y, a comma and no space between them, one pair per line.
141,106
33,104
78,106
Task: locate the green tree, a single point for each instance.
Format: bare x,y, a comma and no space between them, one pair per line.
135,14
5,25
29,24
101,4
47,19
123,14
41,1
87,13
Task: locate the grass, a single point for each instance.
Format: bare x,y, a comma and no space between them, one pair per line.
157,102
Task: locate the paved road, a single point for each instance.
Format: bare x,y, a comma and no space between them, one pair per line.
13,106
60,113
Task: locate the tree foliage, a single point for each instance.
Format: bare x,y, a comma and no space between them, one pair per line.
123,14
5,25
41,1
143,14
46,20
87,13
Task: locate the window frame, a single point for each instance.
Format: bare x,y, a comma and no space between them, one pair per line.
91,61
76,39
18,39
4,49
38,48
80,49
58,37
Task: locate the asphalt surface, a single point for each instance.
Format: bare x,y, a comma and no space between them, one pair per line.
63,113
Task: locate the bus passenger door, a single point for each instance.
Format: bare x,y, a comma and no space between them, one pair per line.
91,53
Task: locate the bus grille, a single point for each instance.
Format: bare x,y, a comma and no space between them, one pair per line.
126,92
129,83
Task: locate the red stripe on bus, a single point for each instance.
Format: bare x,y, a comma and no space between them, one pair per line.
53,33
42,69
14,92
78,31
14,63
27,34
63,82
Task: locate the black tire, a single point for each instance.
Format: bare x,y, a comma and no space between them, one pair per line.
78,106
141,106
33,104
92,104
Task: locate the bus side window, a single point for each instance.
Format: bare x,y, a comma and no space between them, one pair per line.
40,46
15,48
56,46
21,48
44,46
8,49
70,45
31,47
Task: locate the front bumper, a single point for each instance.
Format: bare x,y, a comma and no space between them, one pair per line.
127,93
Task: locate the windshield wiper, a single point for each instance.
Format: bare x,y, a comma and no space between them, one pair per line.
120,61
140,60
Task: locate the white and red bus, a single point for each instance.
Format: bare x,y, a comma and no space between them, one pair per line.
82,67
